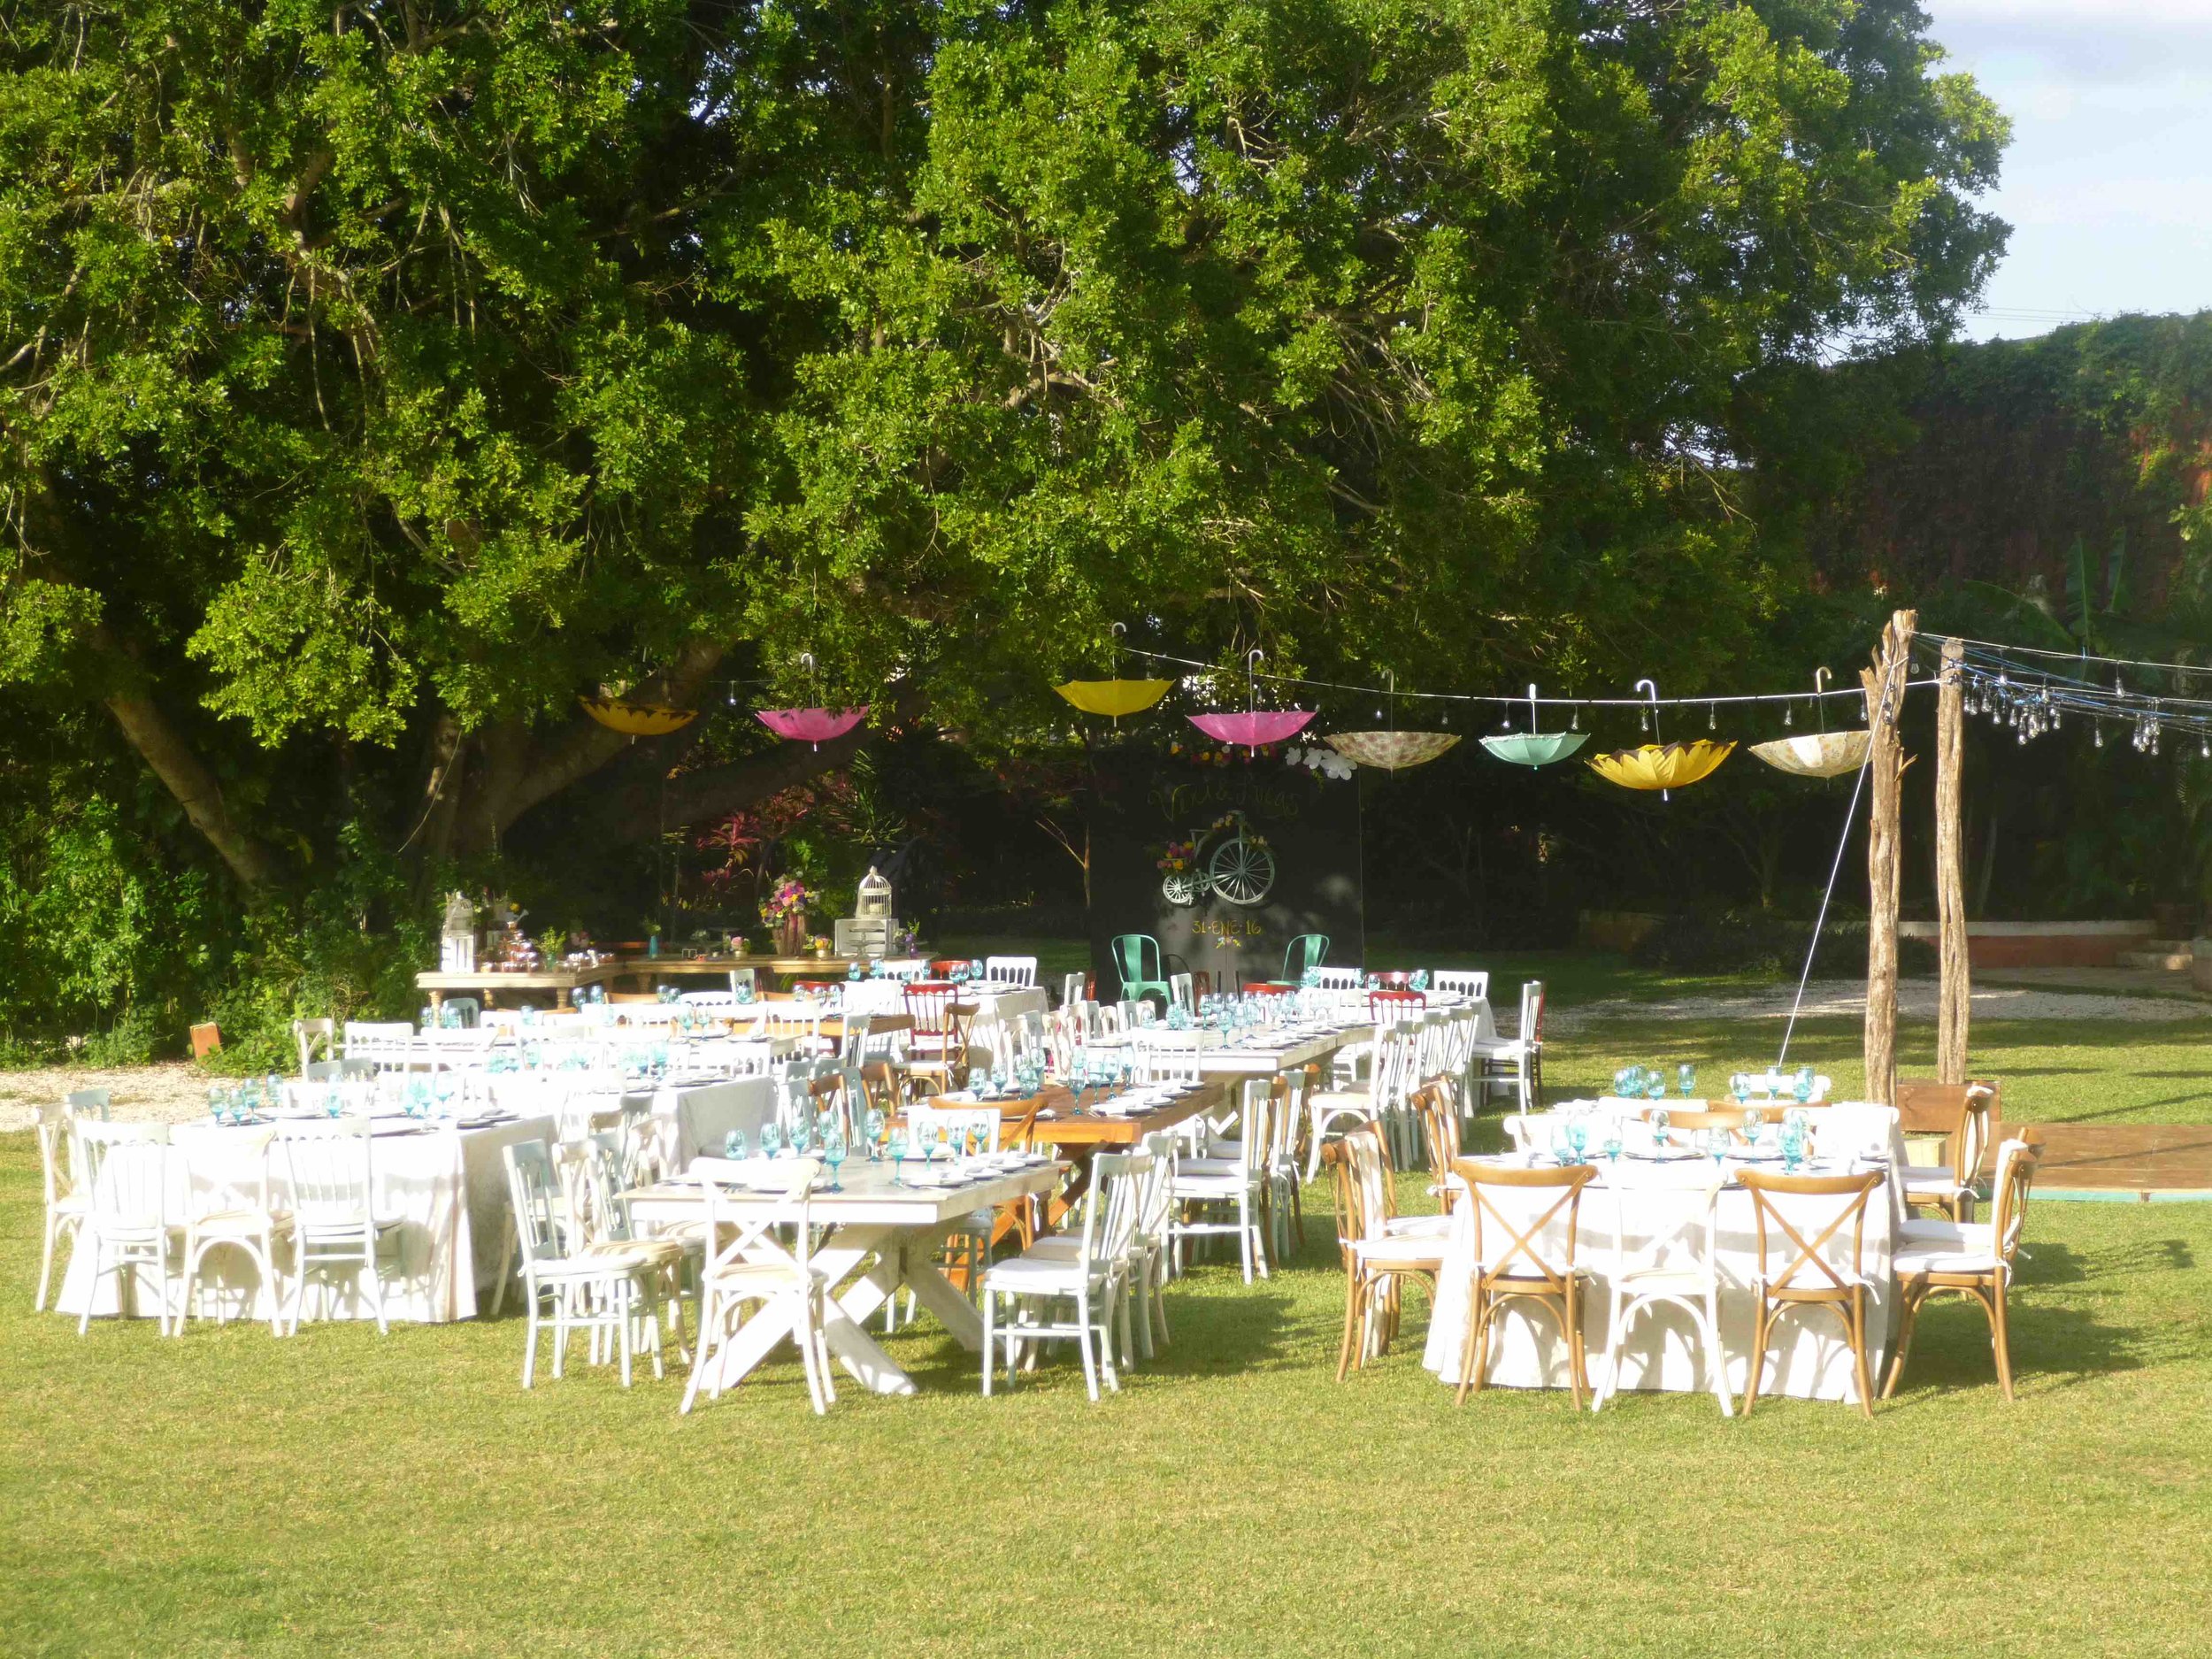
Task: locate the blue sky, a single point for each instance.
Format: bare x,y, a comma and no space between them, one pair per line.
2107,183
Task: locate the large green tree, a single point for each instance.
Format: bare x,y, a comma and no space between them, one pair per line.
377,375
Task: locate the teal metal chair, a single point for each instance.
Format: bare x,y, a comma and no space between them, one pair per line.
1137,959
1308,950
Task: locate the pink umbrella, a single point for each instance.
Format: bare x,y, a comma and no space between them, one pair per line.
812,725
1252,727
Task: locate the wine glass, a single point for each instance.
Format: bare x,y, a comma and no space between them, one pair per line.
1752,1119
1740,1086
802,1134
834,1155
1578,1139
1685,1079
1613,1144
1655,1085
874,1124
1716,1145
733,1144
1801,1086
1659,1127
770,1139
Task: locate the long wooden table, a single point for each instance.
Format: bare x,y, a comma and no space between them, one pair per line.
564,982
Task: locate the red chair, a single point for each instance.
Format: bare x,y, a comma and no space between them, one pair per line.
1386,1008
936,1038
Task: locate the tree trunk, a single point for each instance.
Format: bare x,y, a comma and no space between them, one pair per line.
163,747
1953,998
1884,685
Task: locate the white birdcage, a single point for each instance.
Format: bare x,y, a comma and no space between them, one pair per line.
874,900
457,942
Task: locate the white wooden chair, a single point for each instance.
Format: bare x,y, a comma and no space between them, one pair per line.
1470,982
315,1040
244,1219
67,1198
598,1291
749,1265
126,1226
1516,1062
1071,988
1088,1282
1363,1101
1677,1268
1237,1183
1011,971
332,1192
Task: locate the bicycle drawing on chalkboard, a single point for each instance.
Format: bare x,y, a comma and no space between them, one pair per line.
1230,860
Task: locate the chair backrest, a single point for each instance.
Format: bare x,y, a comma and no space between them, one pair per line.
929,1005
1463,981
1255,1124
1019,971
1156,1201
1337,978
1775,1085
310,1035
1307,950
58,1159
1287,1116
327,1169
1532,1012
1126,1175
2016,1163
1386,1008
126,1173
533,1192
1440,1126
744,985
751,1235
1526,1221
1180,993
1803,1244
1071,989
89,1103
1158,1054
337,1070
1136,958
925,1124
1970,1142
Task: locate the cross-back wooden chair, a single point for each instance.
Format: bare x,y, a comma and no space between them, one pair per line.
1811,1278
1440,1124
1948,1188
1513,1264
1969,1260
1377,1260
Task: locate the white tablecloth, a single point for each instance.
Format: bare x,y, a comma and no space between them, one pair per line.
447,1187
689,1121
1807,1357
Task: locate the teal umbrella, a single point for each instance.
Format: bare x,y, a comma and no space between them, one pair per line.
1533,748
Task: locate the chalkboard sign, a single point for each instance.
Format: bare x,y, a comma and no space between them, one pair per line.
1255,854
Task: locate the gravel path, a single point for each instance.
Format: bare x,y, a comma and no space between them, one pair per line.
1916,1000
170,1093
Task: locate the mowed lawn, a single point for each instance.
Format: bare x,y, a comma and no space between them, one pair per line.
342,1493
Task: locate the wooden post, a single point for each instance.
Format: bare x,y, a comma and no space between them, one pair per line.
1953,998
1884,685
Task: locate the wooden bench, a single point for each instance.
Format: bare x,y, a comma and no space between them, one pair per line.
2140,1158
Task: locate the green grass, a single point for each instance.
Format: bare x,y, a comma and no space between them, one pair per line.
343,1493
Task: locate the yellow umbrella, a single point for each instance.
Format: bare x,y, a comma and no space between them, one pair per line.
1116,697
638,720
1661,765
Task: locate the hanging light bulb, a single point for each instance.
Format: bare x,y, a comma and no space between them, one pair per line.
1712,717
1575,725
1643,718
1789,710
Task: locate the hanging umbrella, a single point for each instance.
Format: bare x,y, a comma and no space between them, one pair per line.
812,725
1255,725
1116,697
1661,765
1252,727
637,720
1824,755
1533,748
1821,755
1392,751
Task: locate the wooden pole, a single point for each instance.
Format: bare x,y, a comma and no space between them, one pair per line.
1884,685
1955,996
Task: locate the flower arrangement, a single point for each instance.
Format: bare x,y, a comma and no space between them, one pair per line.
1178,859
788,898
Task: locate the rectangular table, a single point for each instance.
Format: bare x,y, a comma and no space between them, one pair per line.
901,1227
445,1186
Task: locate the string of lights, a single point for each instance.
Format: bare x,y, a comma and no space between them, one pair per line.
2032,692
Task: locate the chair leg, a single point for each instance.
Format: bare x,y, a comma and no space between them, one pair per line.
46,1262
2000,1335
1352,1322
1576,1383
1474,1352
1714,1355
1913,1295
1758,1357
506,1269
1857,1322
990,1336
1083,1342
530,1333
